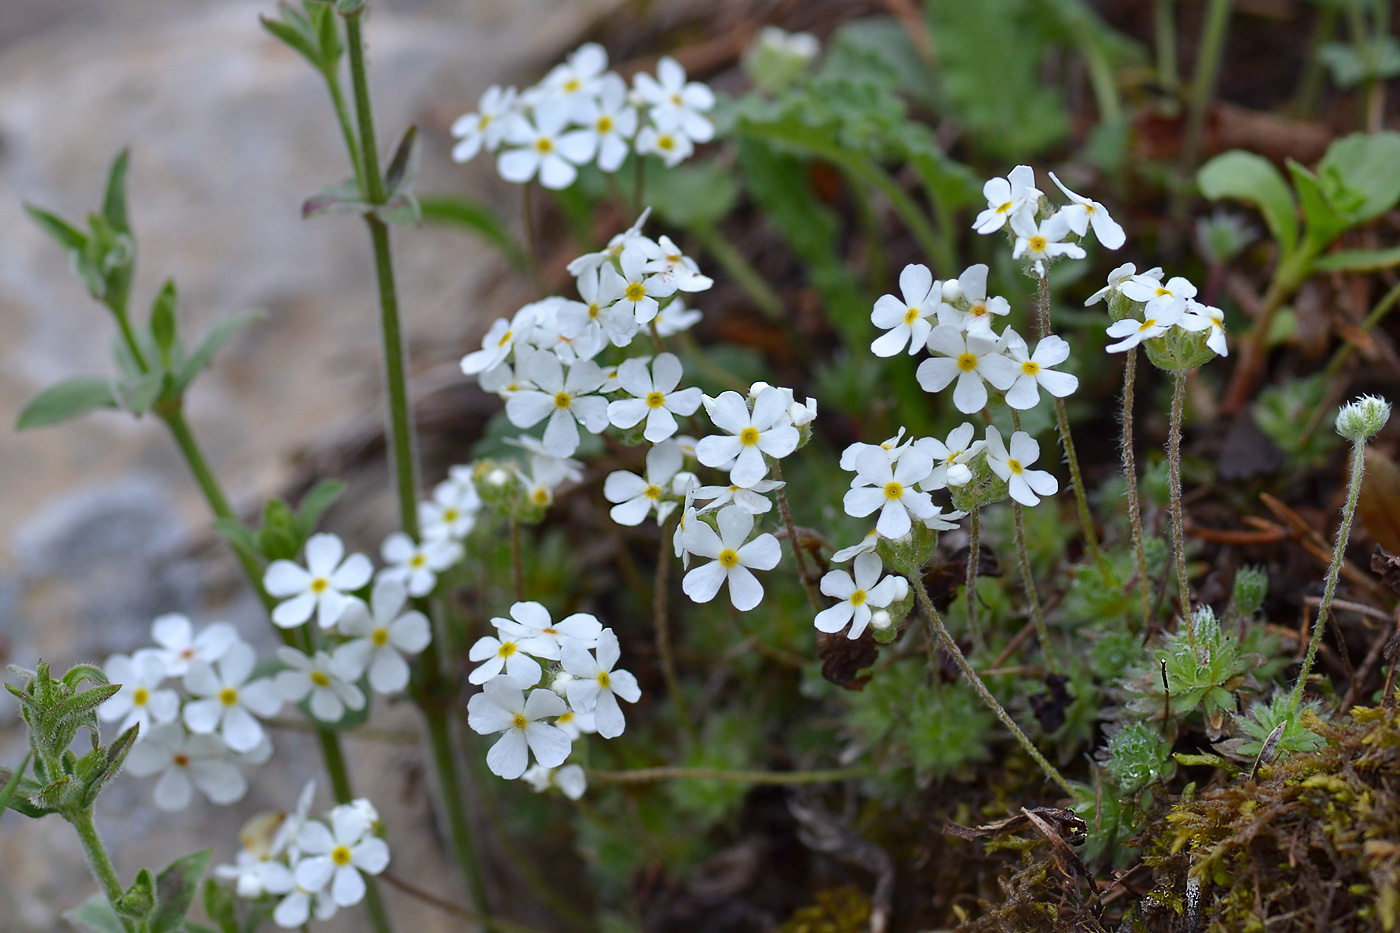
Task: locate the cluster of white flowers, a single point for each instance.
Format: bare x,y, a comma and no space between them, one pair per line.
314,867
1145,307
581,113
576,694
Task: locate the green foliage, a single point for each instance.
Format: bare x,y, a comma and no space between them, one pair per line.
1137,755
312,32
1262,718
1103,598
175,890
729,741
475,217
1375,58
1282,411
1206,666
67,399
1245,176
1251,586
283,532
95,915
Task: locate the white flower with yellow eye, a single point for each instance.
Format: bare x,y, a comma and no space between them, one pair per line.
1023,484
381,634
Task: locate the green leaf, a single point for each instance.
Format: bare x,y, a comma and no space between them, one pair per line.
139,394
114,199
403,167
341,198
10,782
95,915
476,217
278,539
1322,222
176,887
163,319
192,927
1359,260
292,35
69,399
139,900
84,702
222,333
402,210
1366,164
1244,176
690,195
314,504
67,235
327,31
220,905
238,534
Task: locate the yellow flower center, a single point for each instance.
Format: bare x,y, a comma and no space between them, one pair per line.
519,721
1014,465
379,637
541,496
652,492
857,597
228,696
483,121
1162,291
506,339
893,490
568,716
320,679
571,85
562,400
636,291
655,400
341,855
450,515
676,100
594,311
320,585
666,142
749,436
1030,368
605,124
603,679
728,558
1004,208
140,696
1150,322
967,362
977,309
1038,243
544,145
417,561
911,315
506,650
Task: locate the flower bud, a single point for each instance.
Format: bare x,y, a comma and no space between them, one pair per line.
1362,418
1251,585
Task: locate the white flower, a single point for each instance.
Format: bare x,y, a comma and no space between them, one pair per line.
971,286
542,461
417,565
675,318
950,458
970,358
321,587
732,559
337,855
908,321
254,875
179,645
609,121
564,400
577,80
228,700
858,595
1024,485
499,340
765,430
294,910
866,545
677,103
285,840
679,268
641,289
380,635
753,499
1036,372
1013,196
1159,299
501,706
1200,317
672,146
570,779
486,128
544,148
655,397
185,761
534,632
892,448
891,488
1116,278
1135,332
637,496
600,288
680,539
139,702
1040,243
630,240
451,513
321,676
504,654
595,686
1085,212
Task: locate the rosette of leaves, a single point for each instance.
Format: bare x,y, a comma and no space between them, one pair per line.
1260,721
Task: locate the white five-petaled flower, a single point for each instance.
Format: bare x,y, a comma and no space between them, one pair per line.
641,289
672,146
1157,297
543,148
140,701
180,646
731,558
228,702
890,488
186,761
950,457
570,780
1013,196
337,855
1024,485
1035,370
531,628
486,128
970,358
1117,277
751,435
380,635
1083,213
1042,242
566,400
324,678
910,320
609,120
675,102
501,706
451,513
678,267
1135,332
971,287
504,654
654,396
858,594
418,564
577,80
1200,317
500,339
321,587
595,686
638,496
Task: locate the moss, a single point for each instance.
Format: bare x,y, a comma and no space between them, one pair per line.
837,910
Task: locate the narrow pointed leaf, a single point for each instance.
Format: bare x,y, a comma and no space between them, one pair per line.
139,394
10,782
114,200
85,702
327,30
1359,260
176,888
341,198
403,167
402,210
222,333
68,399
163,319
67,235
314,504
475,217
95,915
293,38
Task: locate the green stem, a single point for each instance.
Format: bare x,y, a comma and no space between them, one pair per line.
1178,530
99,862
347,129
974,558
1164,36
339,773
1334,569
932,618
661,619
740,270
450,788
803,574
1214,29
1130,475
1027,578
647,775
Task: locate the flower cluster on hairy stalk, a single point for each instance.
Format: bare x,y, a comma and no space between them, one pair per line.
580,113
307,868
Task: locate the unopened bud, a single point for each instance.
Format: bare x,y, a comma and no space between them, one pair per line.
1363,418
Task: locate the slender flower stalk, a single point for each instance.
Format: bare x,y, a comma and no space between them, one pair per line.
932,618
99,862
1130,475
1023,559
802,572
974,558
1178,532
1081,497
661,619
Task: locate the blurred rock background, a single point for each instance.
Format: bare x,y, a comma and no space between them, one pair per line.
102,527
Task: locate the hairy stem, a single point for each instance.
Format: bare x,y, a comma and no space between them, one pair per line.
803,574
932,618
100,862
1174,482
1334,569
1130,475
974,558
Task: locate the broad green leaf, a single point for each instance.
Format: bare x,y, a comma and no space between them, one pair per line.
1358,260
222,333
163,319
95,915
1366,164
221,907
1322,222
114,198
69,399
176,887
67,235
475,217
1244,176
341,198
314,504
690,195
